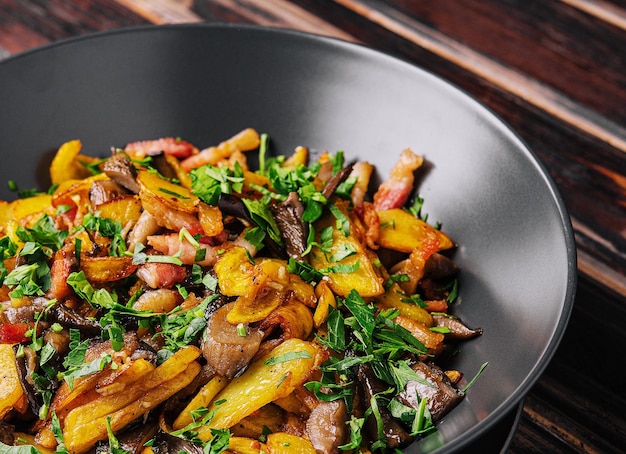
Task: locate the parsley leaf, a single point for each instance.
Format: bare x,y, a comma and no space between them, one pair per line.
262,216
286,357
209,182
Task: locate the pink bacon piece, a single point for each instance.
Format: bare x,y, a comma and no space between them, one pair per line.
170,244
161,275
394,192
168,145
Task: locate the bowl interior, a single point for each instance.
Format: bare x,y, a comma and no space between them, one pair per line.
205,83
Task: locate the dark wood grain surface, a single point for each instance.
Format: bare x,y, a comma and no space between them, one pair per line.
555,70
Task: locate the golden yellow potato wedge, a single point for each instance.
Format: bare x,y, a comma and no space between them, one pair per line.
66,164
181,174
25,439
352,272
273,375
401,231
124,209
254,307
300,156
211,219
325,299
30,207
270,417
234,272
80,438
284,443
202,399
108,404
107,269
172,195
243,445
11,392
393,299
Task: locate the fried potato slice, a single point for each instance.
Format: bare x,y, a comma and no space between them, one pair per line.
393,299
274,375
107,269
285,443
401,231
81,438
348,265
67,163
123,209
11,392
109,404
202,399
172,195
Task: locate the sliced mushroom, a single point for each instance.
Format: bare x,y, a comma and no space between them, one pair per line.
120,169
59,340
133,438
326,427
159,162
7,433
165,443
331,185
144,351
27,364
233,206
227,348
441,395
23,313
438,266
396,436
288,216
458,329
72,319
104,191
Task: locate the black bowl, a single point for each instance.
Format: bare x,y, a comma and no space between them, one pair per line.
204,83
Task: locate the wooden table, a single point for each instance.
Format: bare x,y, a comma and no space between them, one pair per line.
555,70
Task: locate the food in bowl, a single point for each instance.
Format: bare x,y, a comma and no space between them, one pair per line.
171,296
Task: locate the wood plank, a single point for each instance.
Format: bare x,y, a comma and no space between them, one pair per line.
504,77
36,22
574,406
272,13
605,11
15,37
163,11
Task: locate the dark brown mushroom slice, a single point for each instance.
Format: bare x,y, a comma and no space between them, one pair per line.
23,313
69,318
26,364
165,443
438,266
103,191
133,438
442,396
458,329
145,351
160,163
331,185
233,206
7,433
326,427
120,169
294,232
395,434
223,346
